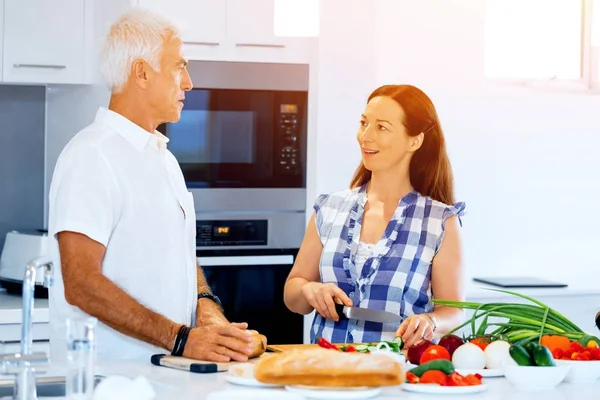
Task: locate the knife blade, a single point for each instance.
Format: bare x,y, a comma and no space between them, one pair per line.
366,314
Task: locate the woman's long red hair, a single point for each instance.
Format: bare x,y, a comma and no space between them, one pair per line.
430,170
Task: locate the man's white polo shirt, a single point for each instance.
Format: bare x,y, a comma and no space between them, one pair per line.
119,185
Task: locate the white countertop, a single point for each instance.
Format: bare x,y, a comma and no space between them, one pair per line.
11,306
173,384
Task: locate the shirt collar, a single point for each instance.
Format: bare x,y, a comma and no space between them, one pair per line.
134,134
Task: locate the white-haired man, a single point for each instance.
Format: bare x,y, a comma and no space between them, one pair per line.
122,221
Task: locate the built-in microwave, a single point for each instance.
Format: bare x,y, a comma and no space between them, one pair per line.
242,135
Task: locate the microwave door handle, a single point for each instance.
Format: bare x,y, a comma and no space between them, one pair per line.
245,260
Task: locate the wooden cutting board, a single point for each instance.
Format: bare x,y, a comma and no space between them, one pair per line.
191,365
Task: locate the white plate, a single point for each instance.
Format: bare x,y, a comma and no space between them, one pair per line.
486,373
314,392
240,380
253,394
437,389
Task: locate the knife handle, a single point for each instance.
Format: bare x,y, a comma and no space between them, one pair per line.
339,309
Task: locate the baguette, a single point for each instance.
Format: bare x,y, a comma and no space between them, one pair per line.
259,344
326,367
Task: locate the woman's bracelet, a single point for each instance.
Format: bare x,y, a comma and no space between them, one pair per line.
433,321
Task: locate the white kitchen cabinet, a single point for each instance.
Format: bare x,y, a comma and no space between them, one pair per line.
45,41
250,30
202,22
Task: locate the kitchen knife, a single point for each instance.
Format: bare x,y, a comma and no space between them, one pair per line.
366,314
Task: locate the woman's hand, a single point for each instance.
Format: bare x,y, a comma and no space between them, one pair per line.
415,329
323,296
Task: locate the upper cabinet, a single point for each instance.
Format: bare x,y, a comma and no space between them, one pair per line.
252,23
231,30
202,22
44,41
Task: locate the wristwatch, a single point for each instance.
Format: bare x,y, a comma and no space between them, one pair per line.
206,295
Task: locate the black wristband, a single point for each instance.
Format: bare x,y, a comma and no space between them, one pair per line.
179,341
212,297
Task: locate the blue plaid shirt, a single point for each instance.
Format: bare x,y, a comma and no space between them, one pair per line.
396,278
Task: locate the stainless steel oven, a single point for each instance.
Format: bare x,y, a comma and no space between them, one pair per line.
246,261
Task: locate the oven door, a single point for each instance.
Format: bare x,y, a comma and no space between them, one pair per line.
229,138
250,286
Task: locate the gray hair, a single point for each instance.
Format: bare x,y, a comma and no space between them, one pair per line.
137,34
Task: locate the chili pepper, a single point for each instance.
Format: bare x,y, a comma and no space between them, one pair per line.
568,353
324,343
576,346
574,356
558,353
411,378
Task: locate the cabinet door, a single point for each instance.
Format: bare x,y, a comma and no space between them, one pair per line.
202,22
44,41
250,31
251,23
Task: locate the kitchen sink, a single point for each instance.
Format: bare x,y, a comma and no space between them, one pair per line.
46,386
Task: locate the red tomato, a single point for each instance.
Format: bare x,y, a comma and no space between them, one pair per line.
473,379
433,376
482,343
434,352
456,379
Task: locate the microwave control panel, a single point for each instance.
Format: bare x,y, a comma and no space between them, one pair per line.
231,233
289,149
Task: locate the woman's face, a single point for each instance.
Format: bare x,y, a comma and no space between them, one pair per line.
382,137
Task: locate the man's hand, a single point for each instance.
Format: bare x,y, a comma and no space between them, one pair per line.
219,343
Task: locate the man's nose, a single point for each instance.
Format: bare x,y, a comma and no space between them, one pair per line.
186,82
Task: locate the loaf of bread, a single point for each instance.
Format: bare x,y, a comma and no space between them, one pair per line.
326,367
259,344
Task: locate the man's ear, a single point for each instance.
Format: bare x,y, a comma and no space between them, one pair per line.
415,142
140,73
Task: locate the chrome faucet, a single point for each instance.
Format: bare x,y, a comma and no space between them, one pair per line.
22,364
28,290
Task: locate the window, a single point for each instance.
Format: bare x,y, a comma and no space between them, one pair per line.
548,41
296,18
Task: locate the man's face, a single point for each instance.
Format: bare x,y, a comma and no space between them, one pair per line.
166,89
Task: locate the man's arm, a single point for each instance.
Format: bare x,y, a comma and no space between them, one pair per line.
207,311
87,288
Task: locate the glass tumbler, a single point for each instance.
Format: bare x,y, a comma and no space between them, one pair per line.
81,358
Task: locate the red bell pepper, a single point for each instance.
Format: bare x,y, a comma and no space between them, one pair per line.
324,343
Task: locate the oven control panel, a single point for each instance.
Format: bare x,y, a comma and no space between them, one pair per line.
210,233
289,150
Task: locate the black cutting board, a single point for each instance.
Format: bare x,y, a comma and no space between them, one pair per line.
520,282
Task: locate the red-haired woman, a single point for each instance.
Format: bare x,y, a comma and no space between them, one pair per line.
391,241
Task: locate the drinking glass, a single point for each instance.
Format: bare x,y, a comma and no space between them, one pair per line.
81,357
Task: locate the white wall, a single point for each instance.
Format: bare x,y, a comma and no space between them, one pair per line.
525,162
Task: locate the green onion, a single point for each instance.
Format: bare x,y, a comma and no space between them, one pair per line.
524,322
